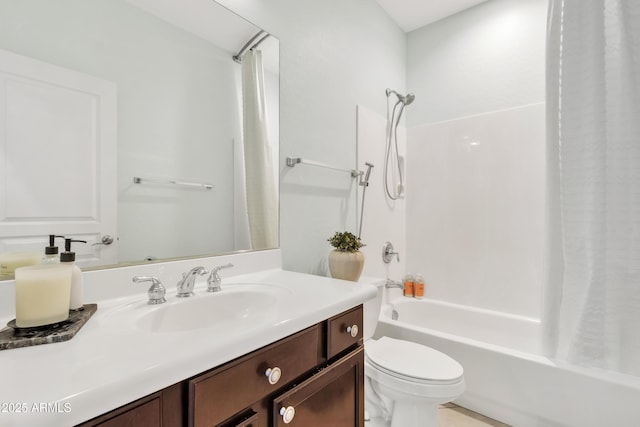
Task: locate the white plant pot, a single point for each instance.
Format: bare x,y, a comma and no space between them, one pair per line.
346,265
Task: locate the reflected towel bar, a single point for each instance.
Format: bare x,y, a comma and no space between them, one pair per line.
138,180
292,161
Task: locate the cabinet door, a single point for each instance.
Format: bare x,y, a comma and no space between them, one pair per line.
161,409
143,413
344,331
332,397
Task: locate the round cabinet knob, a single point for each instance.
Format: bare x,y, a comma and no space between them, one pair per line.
287,414
273,374
353,330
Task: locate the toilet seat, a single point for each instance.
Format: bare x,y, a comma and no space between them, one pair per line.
412,362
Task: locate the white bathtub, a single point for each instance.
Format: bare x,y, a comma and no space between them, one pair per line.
506,377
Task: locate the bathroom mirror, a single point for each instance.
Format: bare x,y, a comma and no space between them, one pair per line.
121,124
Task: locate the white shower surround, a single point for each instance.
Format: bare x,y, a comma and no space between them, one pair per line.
507,379
475,209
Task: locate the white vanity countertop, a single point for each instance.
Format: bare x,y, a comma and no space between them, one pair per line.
111,362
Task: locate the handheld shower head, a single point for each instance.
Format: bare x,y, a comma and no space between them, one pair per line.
365,181
392,145
405,99
408,99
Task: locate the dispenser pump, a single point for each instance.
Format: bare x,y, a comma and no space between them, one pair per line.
52,249
76,292
67,255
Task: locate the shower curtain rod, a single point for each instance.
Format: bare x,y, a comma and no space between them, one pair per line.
251,44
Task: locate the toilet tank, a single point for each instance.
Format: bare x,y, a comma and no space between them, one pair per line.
372,307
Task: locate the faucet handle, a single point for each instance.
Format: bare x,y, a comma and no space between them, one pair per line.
214,281
388,253
156,292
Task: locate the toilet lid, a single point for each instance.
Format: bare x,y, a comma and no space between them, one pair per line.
406,359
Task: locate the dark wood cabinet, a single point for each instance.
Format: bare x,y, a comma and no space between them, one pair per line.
332,397
344,331
164,408
222,393
316,375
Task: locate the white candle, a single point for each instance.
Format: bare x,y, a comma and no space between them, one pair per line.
9,261
42,294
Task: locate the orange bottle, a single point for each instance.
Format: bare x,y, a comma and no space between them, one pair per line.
418,287
408,285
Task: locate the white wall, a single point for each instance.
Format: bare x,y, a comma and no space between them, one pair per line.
475,209
487,58
475,184
335,55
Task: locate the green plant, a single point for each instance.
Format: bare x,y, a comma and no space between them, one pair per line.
345,242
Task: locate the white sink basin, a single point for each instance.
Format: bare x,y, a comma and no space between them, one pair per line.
237,305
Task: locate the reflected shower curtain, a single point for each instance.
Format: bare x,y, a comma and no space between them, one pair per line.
592,295
261,195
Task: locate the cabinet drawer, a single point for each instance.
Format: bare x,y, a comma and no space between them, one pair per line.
344,331
333,397
223,392
249,419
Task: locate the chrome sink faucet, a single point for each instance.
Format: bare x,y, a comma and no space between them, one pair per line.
214,281
185,286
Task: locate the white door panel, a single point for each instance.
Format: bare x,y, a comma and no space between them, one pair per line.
58,152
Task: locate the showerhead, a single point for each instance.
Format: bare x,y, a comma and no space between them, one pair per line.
369,167
405,99
365,181
408,99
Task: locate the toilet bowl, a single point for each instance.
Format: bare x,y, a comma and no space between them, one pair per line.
405,382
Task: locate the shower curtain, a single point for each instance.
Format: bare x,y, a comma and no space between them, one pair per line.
592,296
261,192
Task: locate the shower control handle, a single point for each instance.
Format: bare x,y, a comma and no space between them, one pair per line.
388,253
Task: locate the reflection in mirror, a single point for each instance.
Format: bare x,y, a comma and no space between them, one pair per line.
122,121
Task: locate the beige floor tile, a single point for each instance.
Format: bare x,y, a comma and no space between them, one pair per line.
456,416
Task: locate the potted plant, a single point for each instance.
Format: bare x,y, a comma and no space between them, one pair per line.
346,261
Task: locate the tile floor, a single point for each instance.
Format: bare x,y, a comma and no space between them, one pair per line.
452,415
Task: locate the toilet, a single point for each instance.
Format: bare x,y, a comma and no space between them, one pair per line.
405,382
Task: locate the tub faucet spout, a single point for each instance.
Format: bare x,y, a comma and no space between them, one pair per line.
393,284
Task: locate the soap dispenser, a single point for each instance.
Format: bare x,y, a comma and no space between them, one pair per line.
76,296
51,252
